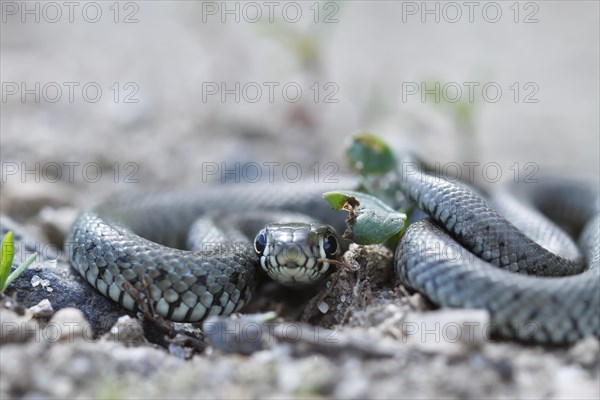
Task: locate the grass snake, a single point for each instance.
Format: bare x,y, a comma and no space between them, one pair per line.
207,266
465,254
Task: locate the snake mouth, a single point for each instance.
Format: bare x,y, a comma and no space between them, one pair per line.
295,275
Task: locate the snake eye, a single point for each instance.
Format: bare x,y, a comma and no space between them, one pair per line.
330,245
260,242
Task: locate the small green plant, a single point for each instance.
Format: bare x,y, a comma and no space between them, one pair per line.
462,111
7,256
306,45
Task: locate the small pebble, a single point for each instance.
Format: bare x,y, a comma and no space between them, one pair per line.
177,351
586,352
42,310
67,325
323,307
44,283
126,330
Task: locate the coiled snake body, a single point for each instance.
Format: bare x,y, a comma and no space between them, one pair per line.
190,285
468,255
145,238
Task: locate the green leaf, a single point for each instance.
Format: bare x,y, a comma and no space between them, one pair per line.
337,200
367,154
8,253
370,221
20,269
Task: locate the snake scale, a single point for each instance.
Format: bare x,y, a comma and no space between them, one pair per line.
465,254
468,255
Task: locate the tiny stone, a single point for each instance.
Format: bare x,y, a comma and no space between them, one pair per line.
323,307
586,352
35,280
177,351
126,330
43,309
68,324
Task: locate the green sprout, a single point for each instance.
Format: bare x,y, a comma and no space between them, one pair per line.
306,45
371,220
462,111
7,256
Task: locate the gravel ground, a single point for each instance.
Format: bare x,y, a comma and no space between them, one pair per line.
373,342
359,335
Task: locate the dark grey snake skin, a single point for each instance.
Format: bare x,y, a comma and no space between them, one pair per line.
141,237
190,285
437,257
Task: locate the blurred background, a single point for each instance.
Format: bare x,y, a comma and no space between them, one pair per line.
154,91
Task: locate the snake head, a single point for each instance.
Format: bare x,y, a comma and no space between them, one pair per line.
296,253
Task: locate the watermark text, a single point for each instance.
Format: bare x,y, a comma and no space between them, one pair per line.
51,12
